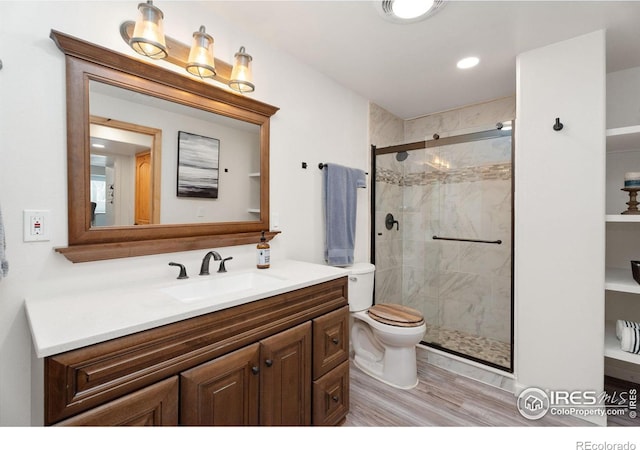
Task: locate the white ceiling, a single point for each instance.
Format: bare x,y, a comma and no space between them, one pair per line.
410,69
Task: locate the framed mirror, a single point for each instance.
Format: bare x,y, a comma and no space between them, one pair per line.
157,161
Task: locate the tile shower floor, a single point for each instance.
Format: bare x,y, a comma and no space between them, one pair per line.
479,347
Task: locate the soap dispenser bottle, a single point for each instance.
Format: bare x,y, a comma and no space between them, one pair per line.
263,253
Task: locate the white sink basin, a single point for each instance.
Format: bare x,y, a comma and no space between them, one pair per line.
221,286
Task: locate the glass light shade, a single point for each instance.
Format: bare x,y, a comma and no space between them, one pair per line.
241,77
148,33
201,62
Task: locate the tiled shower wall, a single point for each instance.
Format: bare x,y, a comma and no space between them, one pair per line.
457,285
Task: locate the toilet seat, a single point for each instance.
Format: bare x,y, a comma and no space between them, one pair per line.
396,315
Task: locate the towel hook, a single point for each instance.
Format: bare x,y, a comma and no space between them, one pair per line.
558,125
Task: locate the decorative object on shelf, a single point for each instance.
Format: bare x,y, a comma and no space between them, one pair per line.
558,125
630,340
633,202
632,179
146,36
635,270
622,324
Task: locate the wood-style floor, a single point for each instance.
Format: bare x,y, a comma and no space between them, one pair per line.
442,398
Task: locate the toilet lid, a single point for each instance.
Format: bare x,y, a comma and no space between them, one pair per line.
396,315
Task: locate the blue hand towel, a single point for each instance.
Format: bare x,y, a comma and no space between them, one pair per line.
340,185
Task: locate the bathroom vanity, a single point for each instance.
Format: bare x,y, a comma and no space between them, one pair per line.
274,355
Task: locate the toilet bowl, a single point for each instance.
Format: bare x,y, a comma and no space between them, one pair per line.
383,336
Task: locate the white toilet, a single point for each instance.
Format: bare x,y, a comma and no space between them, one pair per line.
384,336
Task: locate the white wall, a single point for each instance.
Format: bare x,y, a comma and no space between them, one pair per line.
559,212
623,98
319,121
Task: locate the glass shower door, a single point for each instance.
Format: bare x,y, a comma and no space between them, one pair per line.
451,257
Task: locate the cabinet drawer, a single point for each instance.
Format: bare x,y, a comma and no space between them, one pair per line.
155,405
330,341
331,396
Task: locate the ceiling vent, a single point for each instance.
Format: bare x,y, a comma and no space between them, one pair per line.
386,10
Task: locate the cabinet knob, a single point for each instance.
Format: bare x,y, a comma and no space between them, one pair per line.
335,398
255,370
335,341
268,362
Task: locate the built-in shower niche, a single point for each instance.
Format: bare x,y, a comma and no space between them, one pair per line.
451,258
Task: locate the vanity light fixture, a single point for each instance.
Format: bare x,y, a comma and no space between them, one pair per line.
201,62
241,77
148,34
146,37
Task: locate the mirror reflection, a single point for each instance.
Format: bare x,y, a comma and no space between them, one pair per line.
138,161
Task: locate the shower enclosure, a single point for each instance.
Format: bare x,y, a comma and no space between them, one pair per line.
443,215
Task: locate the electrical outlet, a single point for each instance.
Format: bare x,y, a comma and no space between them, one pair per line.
37,225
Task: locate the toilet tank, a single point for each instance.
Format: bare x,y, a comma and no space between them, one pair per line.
361,280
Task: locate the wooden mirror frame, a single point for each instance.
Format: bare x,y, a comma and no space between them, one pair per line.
86,61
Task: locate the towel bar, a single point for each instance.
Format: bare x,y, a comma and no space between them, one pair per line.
466,240
323,165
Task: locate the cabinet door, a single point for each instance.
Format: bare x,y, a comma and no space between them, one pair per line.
330,341
223,391
331,396
285,377
156,405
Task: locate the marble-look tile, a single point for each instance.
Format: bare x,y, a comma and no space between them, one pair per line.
464,300
385,129
467,119
485,259
388,254
388,196
499,110
388,285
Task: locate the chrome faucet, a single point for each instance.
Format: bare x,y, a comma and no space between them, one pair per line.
204,268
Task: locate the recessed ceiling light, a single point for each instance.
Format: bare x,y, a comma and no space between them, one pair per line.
410,9
467,63
407,11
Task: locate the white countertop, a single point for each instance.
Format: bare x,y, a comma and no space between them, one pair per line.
72,320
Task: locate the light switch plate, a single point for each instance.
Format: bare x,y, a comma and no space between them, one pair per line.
37,225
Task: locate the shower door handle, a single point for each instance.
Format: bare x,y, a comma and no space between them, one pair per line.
389,222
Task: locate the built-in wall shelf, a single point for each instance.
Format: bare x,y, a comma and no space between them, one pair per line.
624,138
612,345
620,280
622,218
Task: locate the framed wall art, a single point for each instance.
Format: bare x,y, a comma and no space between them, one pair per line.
198,165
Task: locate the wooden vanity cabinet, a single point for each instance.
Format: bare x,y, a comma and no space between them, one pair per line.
268,383
282,360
